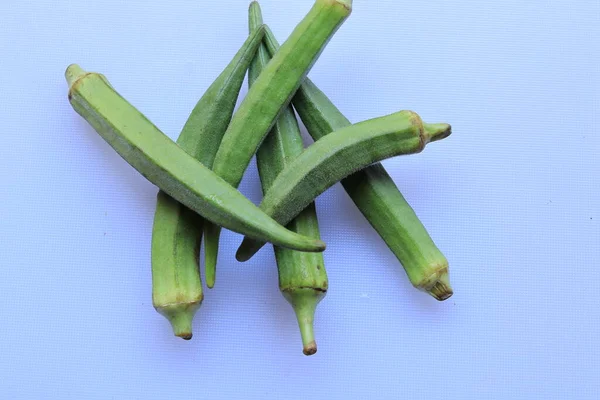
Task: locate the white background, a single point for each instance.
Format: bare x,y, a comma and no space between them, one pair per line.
511,198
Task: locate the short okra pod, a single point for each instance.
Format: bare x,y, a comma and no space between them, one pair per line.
165,164
302,277
271,92
177,231
377,196
338,155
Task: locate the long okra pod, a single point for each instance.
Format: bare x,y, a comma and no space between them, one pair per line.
177,231
271,92
338,155
302,277
377,196
165,164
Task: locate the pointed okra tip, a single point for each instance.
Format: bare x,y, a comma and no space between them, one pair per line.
247,249
180,316
434,132
305,322
304,301
73,73
442,290
210,274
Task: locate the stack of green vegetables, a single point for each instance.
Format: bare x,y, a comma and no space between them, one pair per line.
199,174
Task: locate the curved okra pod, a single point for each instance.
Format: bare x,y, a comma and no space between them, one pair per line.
377,196
271,92
338,155
165,164
302,277
177,231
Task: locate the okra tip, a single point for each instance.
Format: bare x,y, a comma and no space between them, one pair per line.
210,270
307,332
442,290
304,301
434,132
313,245
310,349
247,249
181,316
73,73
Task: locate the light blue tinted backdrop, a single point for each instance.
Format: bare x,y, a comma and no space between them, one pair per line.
512,199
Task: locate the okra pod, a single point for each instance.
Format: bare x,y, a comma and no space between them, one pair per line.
302,277
338,155
377,196
271,92
177,231
165,164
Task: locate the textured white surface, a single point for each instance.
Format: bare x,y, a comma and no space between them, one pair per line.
511,198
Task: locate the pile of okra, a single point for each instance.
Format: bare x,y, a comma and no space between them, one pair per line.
198,175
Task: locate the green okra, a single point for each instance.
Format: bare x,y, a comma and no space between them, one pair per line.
271,92
377,196
177,231
338,155
176,285
165,164
302,277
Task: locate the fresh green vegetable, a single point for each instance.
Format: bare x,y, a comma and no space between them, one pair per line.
165,164
302,277
176,285
377,196
338,155
177,231
271,92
